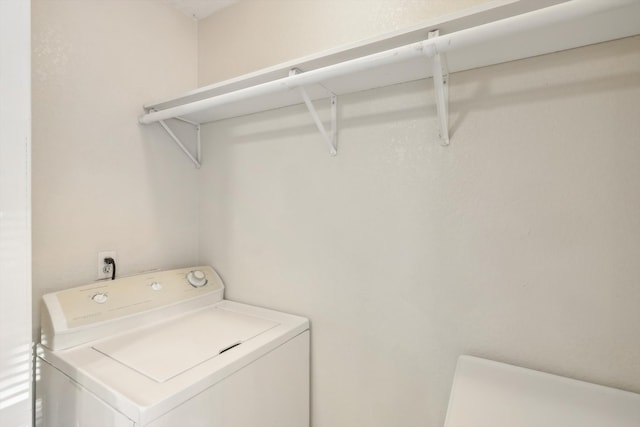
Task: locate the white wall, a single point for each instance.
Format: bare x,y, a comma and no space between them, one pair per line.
519,242
15,211
101,181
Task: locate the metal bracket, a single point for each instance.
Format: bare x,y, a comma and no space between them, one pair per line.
441,89
331,137
195,159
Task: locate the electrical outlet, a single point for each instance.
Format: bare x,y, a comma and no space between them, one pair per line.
105,270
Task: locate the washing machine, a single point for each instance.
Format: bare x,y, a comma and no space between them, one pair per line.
165,349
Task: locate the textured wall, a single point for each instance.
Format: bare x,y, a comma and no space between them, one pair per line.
100,180
519,242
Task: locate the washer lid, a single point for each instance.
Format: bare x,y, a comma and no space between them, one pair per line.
165,350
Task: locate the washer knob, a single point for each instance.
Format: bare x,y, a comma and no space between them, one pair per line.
197,278
100,298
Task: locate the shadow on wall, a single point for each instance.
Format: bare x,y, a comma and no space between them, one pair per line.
542,84
469,91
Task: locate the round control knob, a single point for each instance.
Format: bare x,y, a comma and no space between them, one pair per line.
156,286
197,278
100,298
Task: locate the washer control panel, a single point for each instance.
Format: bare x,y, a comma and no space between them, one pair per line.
113,299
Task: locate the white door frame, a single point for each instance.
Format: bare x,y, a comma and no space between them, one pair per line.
15,214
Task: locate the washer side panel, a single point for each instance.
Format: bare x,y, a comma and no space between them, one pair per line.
271,392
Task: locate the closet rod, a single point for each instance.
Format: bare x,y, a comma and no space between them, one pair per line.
537,19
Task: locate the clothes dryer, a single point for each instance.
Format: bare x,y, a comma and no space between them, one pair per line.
492,394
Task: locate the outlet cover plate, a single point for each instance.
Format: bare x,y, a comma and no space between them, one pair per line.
101,256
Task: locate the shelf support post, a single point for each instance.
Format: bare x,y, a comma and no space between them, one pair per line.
441,90
330,137
195,159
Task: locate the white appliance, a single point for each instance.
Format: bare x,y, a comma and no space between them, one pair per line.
492,394
164,349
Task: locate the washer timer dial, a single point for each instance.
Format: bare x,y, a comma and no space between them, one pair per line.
197,278
99,298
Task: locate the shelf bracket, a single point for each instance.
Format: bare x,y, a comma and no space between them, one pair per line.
330,137
195,159
441,90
